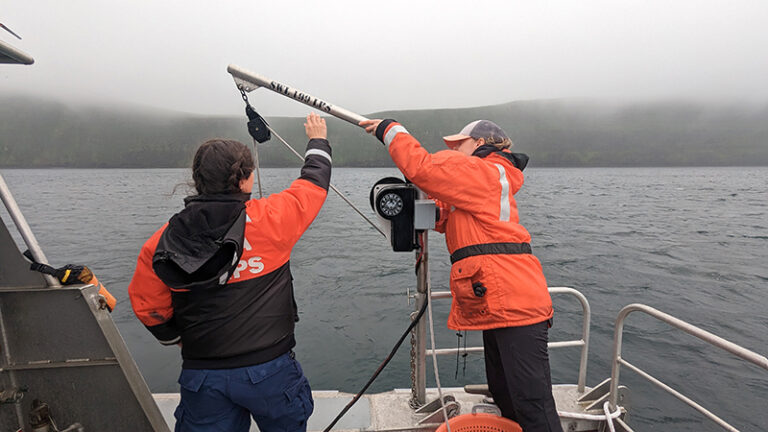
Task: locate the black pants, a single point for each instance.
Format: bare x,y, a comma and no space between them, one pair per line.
517,368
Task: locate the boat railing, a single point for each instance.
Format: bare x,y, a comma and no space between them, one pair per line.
23,227
582,342
704,335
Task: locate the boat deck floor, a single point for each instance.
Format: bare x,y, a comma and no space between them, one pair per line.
389,411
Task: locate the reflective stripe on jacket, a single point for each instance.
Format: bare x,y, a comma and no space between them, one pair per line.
249,316
479,196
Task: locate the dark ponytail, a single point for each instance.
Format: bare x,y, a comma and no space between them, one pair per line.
219,165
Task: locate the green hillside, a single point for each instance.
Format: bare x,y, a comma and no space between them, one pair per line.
38,133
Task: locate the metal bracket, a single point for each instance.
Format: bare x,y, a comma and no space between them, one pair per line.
244,85
12,395
435,404
597,404
597,392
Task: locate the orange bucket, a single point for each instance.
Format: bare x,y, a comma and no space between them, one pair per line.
480,422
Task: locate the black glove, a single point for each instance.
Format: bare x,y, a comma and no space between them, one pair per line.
73,274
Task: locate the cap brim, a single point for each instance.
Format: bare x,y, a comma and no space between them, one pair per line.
452,139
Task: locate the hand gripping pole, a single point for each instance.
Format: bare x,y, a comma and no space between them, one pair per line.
248,81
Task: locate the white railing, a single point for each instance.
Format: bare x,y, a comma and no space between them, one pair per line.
583,342
704,335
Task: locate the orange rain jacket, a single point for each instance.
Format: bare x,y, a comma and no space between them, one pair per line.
242,311
495,280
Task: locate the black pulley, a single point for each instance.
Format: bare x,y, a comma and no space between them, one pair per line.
257,126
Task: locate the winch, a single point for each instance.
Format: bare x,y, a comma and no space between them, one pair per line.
403,211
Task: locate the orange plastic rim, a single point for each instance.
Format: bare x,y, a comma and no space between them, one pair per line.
480,422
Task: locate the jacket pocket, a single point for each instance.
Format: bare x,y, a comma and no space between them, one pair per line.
468,289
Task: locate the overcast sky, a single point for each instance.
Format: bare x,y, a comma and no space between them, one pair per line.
373,56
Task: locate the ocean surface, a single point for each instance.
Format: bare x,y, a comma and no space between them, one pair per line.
692,242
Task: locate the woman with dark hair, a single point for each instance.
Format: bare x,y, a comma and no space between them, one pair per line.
216,280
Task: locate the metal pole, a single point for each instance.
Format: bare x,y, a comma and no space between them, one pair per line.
16,55
23,227
419,333
249,81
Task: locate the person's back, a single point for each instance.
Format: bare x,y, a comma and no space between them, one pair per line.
216,280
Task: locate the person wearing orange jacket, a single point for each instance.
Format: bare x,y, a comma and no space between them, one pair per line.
498,285
216,280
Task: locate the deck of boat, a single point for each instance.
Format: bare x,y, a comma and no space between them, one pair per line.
389,411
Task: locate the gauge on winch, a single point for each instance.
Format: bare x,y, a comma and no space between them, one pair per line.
390,204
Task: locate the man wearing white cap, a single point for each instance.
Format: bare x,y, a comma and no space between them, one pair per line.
497,284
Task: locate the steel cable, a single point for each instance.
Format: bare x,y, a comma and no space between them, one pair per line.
338,192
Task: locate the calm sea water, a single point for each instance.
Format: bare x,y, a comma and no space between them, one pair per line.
692,242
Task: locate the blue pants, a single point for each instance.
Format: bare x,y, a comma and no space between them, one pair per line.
275,393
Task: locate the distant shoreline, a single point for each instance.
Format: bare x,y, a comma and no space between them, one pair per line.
555,133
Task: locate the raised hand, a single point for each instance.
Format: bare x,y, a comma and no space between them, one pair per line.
315,127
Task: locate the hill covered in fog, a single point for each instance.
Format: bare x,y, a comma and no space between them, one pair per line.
38,133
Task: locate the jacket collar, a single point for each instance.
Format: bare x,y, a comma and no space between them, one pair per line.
242,197
518,160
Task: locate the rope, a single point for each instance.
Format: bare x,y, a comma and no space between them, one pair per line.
608,417
338,192
434,355
258,170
